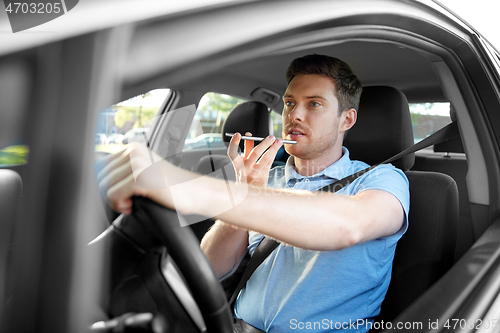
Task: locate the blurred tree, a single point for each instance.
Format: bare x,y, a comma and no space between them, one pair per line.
219,102
14,155
214,109
138,114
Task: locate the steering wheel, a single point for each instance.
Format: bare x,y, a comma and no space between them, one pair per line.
151,229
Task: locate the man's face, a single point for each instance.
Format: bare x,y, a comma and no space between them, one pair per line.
311,117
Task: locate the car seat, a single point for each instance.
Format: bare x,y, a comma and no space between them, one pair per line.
452,161
425,252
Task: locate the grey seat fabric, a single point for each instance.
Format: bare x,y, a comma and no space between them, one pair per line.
251,117
383,127
11,188
425,252
456,166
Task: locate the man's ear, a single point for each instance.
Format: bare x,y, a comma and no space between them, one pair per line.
348,119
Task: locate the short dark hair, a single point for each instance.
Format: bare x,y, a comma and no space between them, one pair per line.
348,86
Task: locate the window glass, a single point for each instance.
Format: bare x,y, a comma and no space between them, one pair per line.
277,123
14,155
428,118
128,121
16,82
206,128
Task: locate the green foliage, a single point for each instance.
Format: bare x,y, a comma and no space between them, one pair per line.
139,115
415,118
220,102
14,155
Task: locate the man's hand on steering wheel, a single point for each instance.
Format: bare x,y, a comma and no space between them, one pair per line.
138,172
134,171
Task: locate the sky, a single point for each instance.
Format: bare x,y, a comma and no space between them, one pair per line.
155,99
483,15
480,14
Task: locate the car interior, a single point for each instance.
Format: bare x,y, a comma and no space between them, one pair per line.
400,60
399,70
384,128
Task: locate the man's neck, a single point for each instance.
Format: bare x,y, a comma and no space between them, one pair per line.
310,167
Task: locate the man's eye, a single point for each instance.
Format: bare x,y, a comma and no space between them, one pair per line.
289,103
315,104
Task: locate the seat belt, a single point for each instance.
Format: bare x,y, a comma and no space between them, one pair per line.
267,244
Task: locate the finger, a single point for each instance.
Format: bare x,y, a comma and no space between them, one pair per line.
232,151
115,176
112,164
122,191
248,145
133,150
268,157
102,162
124,206
240,170
261,148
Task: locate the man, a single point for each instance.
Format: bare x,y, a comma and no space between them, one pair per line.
333,266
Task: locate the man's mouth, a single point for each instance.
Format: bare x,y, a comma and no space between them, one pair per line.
295,132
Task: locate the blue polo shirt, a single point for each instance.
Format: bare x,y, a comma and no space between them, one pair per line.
321,291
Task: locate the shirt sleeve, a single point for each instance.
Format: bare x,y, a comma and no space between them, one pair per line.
388,178
254,239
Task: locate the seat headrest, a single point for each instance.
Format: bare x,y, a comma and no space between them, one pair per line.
383,127
250,117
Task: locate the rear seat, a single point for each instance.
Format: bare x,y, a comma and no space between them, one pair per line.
449,158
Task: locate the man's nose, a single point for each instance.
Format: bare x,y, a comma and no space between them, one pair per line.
298,113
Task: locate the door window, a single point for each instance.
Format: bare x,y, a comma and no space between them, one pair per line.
128,121
427,118
206,129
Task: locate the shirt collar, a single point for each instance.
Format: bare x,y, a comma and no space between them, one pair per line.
338,170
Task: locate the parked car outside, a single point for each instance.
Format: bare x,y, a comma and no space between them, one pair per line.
135,135
204,141
115,138
100,139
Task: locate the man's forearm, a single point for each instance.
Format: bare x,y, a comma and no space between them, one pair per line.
310,220
317,221
299,218
314,221
224,246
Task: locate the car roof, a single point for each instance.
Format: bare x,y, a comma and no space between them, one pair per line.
149,25
376,39
104,14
